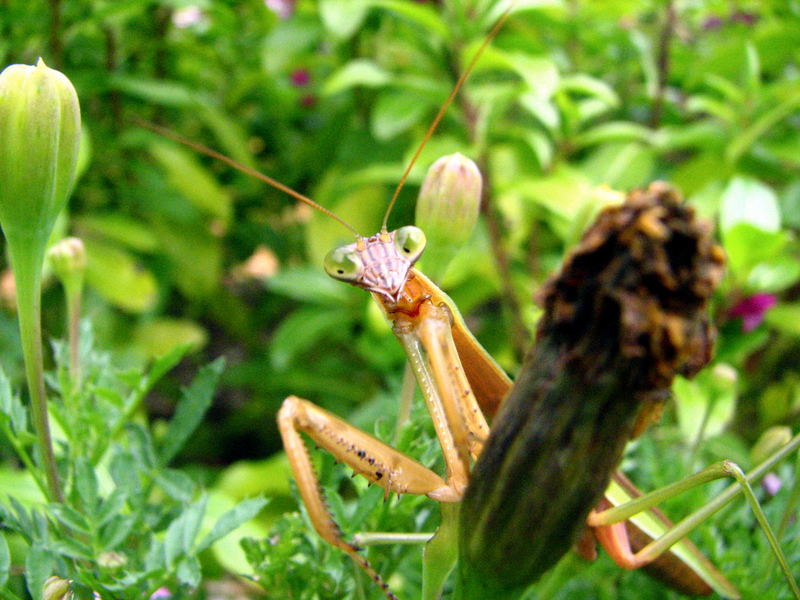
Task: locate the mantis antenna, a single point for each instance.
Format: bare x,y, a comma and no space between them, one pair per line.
244,169
460,82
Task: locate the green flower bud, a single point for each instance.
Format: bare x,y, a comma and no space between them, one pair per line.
772,440
40,129
447,208
56,588
67,258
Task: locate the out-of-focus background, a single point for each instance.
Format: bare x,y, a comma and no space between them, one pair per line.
572,104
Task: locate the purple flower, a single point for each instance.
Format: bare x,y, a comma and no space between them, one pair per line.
300,77
752,310
771,484
161,592
712,23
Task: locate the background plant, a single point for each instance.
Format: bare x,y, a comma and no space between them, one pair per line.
331,97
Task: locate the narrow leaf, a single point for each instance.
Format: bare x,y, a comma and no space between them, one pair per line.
194,402
230,520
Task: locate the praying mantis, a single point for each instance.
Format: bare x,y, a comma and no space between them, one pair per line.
463,387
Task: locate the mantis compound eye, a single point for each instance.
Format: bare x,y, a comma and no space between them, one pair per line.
343,263
410,242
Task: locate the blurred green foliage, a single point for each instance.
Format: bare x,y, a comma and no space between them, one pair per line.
573,99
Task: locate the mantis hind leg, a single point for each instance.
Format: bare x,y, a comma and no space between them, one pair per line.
622,552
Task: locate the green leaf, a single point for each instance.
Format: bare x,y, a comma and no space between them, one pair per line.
617,131
747,200
581,83
785,317
182,532
189,572
165,363
116,276
177,484
5,560
116,531
343,17
86,484
742,142
11,405
395,112
308,285
155,91
70,517
195,401
230,520
193,181
748,246
39,565
120,228
158,337
301,330
358,72
417,12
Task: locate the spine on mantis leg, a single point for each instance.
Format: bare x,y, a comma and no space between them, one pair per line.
627,312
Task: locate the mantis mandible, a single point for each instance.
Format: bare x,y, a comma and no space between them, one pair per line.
462,385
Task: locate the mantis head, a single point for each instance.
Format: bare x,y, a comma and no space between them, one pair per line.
380,263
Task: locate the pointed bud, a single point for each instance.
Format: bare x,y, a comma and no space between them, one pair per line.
40,129
447,208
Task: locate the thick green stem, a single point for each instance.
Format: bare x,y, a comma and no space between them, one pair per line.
28,276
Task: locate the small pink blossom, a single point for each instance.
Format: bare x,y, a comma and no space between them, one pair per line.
283,8
771,484
752,310
188,16
300,77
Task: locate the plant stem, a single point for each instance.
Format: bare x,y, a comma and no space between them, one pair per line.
28,275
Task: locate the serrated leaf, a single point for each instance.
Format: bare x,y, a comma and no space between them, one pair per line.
177,484
230,520
73,548
86,484
192,406
116,531
111,506
182,532
70,517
